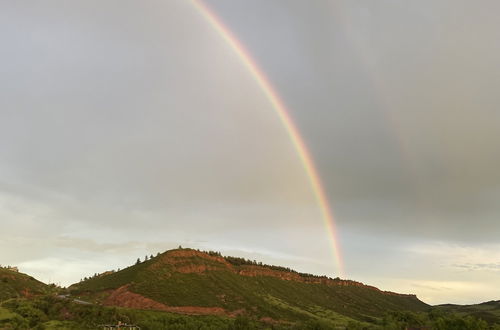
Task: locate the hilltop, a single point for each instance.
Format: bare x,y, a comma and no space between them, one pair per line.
189,281
14,284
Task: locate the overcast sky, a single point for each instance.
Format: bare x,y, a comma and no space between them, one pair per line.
131,127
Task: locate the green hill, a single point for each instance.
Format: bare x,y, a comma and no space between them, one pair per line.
14,284
188,281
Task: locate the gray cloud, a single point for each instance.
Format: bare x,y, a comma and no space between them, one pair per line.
493,266
397,102
131,127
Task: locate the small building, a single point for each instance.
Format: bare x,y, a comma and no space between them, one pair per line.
14,269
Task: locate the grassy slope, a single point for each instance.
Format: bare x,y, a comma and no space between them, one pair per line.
260,296
14,284
53,312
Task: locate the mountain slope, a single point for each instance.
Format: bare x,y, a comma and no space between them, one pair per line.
14,284
193,282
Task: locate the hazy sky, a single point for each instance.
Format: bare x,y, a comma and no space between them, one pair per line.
130,127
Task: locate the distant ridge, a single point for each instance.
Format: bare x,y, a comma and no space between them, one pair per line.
488,311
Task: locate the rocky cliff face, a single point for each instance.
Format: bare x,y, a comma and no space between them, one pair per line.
179,256
192,261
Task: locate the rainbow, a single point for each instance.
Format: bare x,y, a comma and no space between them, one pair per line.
279,106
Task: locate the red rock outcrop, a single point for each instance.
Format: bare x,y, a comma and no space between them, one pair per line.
122,297
178,256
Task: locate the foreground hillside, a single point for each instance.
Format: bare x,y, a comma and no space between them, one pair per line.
14,284
193,282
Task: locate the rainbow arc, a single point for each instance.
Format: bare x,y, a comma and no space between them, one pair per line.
283,114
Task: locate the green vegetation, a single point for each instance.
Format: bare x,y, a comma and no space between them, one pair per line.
488,311
9,319
50,312
233,293
434,319
14,284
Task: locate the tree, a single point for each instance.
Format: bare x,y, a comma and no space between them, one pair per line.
138,261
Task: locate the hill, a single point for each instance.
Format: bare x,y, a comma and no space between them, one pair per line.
14,284
193,282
